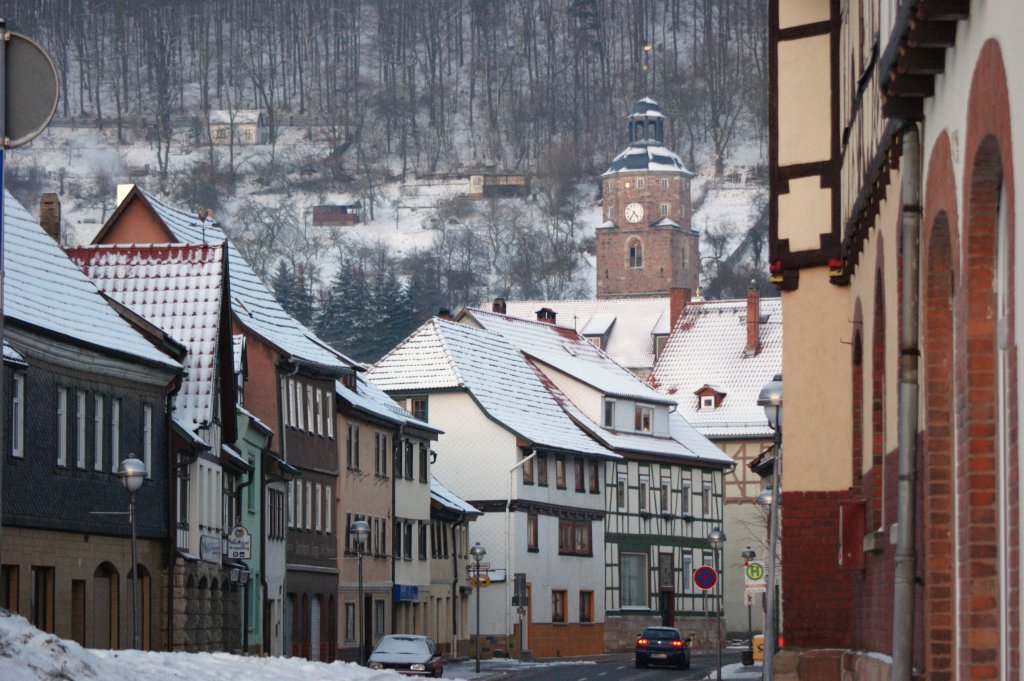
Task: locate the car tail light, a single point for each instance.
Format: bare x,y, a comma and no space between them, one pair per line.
642,641
677,644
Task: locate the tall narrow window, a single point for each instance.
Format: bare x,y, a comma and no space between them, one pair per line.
284,403
349,447
329,415
147,439
527,469
357,447
298,406
298,504
557,605
620,491
62,427
581,476
97,432
422,539
595,477
531,532
586,606
309,505
559,471
115,434
328,507
419,408
424,459
609,413
291,402
666,492
635,254
633,579
80,429
408,460
645,483
309,408
663,209
319,411
706,499
291,503
18,415
684,500
542,470
319,507
687,573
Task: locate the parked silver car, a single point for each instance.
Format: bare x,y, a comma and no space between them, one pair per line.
407,654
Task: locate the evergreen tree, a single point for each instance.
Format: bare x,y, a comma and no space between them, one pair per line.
346,321
283,284
303,304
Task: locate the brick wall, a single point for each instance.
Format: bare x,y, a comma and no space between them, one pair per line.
816,591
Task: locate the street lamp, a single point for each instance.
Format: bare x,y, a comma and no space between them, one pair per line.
478,552
717,539
132,472
771,399
360,531
748,554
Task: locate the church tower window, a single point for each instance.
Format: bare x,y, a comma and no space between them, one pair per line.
635,258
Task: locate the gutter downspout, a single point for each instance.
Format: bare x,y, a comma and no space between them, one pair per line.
455,584
282,414
399,442
509,546
903,587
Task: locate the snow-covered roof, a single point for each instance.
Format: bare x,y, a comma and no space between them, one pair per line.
238,351
599,324
178,288
449,499
646,107
44,289
12,356
569,352
240,117
369,398
647,157
252,302
707,347
629,340
444,354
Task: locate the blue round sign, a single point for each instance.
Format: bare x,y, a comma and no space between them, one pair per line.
705,577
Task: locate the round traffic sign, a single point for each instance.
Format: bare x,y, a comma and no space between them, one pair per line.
705,577
484,581
755,571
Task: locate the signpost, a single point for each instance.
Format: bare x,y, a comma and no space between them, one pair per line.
239,543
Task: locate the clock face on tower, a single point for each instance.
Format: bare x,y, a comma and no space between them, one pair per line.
634,212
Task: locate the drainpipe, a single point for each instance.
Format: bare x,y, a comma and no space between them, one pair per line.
394,488
903,592
455,584
509,562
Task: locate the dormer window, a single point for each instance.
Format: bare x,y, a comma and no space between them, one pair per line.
709,397
609,414
643,418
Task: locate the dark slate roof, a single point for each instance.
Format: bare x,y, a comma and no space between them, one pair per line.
641,156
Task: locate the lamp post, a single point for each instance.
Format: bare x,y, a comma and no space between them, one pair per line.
748,555
478,552
717,539
360,531
132,472
771,399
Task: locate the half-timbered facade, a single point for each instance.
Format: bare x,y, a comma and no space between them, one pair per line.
717,359
901,506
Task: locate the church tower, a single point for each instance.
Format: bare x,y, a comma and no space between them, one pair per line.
646,247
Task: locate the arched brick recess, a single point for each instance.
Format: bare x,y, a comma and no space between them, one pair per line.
876,473
857,363
989,169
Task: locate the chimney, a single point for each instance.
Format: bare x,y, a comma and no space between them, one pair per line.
498,306
49,215
546,315
753,320
445,313
678,299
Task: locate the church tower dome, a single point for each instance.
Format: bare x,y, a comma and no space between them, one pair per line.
646,246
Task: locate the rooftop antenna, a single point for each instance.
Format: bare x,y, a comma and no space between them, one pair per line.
204,213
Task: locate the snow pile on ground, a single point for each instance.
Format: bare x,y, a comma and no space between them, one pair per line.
27,654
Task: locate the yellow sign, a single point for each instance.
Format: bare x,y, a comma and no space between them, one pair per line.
485,581
759,648
755,571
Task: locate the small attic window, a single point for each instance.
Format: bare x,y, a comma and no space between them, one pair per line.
707,402
596,340
709,398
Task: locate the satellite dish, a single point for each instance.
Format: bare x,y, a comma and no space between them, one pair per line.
30,92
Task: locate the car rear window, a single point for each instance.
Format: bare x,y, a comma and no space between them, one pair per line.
660,633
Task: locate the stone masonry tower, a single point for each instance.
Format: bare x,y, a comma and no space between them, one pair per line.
646,247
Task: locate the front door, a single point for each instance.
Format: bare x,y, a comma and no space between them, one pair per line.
665,599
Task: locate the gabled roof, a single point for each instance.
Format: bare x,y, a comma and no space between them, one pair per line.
444,355
370,399
45,290
449,500
179,289
629,339
252,302
12,357
569,352
707,348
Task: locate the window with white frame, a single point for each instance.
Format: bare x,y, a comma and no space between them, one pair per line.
664,183
80,429
62,426
684,502
309,408
319,411
291,402
18,415
284,403
328,510
643,418
97,432
666,492
298,504
329,413
620,491
663,210
633,579
645,484
350,621
115,434
707,402
706,497
298,407
291,503
609,413
687,573
319,507
309,505
147,439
